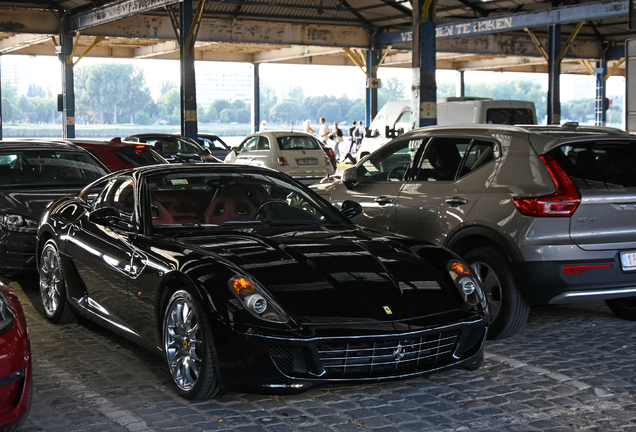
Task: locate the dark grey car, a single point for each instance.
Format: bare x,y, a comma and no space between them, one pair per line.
544,214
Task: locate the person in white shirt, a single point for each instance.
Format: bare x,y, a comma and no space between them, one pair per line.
323,132
263,126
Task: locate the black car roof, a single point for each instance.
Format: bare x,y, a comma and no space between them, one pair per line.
36,144
152,169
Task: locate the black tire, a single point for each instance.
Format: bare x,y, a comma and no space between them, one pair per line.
53,286
623,307
189,349
508,309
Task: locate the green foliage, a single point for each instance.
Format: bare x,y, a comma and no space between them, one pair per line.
356,112
296,94
267,101
141,118
392,89
37,91
166,86
580,110
169,104
212,114
8,110
228,115
239,104
287,112
244,116
330,111
221,104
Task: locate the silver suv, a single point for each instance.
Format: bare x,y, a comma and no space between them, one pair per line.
544,214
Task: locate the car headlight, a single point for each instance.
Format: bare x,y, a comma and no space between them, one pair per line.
256,300
467,284
17,223
6,316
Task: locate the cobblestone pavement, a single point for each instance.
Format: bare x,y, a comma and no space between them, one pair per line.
570,368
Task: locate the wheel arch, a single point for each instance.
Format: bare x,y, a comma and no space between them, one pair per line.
472,237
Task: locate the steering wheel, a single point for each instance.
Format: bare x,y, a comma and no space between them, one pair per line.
395,175
266,203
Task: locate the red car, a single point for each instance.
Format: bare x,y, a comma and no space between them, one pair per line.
15,362
118,155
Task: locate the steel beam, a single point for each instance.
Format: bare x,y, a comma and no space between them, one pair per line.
600,108
156,50
68,84
114,11
371,110
21,41
256,99
630,85
518,21
297,52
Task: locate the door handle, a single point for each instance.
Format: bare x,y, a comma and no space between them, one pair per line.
455,201
382,200
77,225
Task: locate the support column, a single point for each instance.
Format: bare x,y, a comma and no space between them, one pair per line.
256,99
372,91
460,89
65,51
600,107
424,88
189,127
554,74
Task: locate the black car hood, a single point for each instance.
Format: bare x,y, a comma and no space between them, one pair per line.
322,277
30,202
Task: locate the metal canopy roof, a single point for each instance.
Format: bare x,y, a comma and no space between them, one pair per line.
315,31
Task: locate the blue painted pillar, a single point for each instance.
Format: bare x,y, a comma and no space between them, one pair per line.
68,84
189,127
423,89
372,91
554,75
256,99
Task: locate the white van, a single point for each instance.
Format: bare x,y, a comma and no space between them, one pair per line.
394,118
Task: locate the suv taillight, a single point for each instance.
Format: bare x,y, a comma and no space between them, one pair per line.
282,161
561,203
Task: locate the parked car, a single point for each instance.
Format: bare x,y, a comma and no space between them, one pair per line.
173,148
544,215
16,379
243,278
118,155
214,144
33,174
297,154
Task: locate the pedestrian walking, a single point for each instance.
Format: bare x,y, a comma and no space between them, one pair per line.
337,137
263,127
323,132
308,128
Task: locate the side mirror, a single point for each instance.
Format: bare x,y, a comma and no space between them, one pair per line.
367,132
350,176
350,209
110,217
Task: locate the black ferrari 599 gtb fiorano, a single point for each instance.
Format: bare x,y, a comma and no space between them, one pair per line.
243,278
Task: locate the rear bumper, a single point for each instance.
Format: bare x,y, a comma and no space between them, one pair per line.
546,282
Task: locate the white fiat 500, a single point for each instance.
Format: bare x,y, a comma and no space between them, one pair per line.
297,154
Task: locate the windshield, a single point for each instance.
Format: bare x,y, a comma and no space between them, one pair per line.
53,168
195,198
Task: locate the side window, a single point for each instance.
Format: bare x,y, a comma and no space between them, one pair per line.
263,144
251,144
391,163
118,194
478,155
403,123
442,159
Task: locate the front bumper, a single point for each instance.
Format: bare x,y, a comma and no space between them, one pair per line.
17,252
268,364
15,370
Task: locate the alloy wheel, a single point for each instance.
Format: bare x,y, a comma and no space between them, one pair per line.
182,343
51,281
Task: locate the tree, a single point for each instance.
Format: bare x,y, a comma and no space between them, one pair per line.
244,116
228,115
238,104
36,91
330,111
221,104
170,104
287,112
296,94
392,89
100,88
268,100
211,114
166,86
357,111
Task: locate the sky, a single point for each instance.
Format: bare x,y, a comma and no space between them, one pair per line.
314,79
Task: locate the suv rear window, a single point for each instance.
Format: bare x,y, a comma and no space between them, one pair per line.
599,165
137,157
509,116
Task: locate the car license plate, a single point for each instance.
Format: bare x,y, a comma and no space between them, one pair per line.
307,161
628,260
